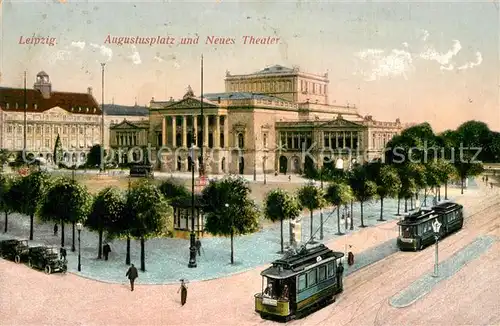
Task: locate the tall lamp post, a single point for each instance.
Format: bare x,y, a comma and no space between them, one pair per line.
264,159
192,243
435,227
321,209
102,118
79,227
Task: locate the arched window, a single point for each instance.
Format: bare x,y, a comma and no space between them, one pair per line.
241,141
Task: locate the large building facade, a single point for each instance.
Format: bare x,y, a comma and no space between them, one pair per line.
74,117
277,119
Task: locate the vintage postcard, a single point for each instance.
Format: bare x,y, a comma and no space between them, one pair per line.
244,162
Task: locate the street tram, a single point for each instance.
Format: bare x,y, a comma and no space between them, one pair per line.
300,283
415,230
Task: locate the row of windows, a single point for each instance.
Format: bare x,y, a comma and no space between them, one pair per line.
274,86
38,130
341,142
305,86
51,117
316,275
453,216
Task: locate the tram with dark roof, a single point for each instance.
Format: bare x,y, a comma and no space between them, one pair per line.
300,283
415,230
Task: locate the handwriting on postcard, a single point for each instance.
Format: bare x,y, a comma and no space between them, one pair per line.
210,40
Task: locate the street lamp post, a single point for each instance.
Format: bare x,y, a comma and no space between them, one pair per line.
79,226
102,118
232,248
435,227
321,209
192,242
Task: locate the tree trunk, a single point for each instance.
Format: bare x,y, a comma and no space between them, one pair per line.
311,224
411,203
321,224
462,190
127,257
361,211
446,190
416,195
6,222
425,197
73,240
232,247
338,222
399,205
62,234
99,251
352,216
346,219
406,205
381,209
281,226
439,193
143,256
32,217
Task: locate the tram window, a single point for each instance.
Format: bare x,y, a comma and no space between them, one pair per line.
311,278
407,231
330,269
302,282
321,273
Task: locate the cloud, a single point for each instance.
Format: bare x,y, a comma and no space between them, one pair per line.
425,35
442,58
60,55
106,52
158,58
479,60
80,45
135,56
380,63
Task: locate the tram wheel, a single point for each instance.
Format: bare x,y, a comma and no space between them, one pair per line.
17,259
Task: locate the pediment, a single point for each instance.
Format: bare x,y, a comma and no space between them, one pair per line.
56,110
125,125
190,103
340,122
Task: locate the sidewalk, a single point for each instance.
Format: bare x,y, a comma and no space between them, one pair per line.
167,259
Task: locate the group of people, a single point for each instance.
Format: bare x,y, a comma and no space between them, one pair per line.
485,180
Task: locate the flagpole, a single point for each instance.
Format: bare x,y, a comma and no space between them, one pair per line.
202,163
192,246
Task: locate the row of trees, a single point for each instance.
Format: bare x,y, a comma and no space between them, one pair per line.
423,162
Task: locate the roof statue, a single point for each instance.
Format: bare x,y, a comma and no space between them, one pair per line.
228,73
189,92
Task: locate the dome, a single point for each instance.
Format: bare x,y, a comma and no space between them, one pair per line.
42,74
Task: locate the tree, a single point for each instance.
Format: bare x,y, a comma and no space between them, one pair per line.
338,194
107,208
312,198
150,213
94,156
239,217
362,187
58,151
280,205
408,185
433,178
388,185
27,193
445,171
65,201
172,189
6,199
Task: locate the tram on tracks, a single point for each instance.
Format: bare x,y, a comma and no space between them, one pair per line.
300,283
415,230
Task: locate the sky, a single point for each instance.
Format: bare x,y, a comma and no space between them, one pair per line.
417,61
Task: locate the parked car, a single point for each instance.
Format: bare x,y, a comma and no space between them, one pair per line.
16,250
47,259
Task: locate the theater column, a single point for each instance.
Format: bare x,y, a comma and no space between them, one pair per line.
174,132
164,131
217,132
184,131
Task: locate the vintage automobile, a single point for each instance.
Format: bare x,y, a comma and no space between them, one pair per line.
16,250
46,258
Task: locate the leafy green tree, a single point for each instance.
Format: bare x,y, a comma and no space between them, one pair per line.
408,184
6,199
65,201
362,187
388,185
241,214
173,189
475,135
338,194
94,156
445,171
312,198
419,174
27,193
150,213
433,178
280,205
107,208
58,151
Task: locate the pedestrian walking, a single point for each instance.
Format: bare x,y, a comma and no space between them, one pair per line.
106,249
486,179
184,292
350,258
55,229
491,185
198,246
63,253
483,178
132,275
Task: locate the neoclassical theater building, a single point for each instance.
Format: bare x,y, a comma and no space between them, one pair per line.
276,119
75,117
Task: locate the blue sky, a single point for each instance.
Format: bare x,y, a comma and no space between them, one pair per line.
419,61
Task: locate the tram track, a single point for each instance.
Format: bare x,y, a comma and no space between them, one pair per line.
372,275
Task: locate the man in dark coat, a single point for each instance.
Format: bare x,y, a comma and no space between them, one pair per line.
184,292
55,229
350,258
132,275
106,249
340,271
198,246
63,253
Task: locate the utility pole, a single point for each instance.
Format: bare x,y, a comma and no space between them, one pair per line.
202,162
25,115
103,167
